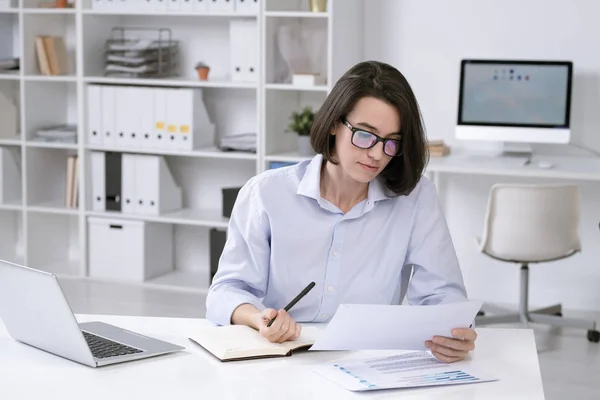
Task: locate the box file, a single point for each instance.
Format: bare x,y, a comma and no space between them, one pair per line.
98,181
10,176
94,95
247,6
106,181
243,36
130,251
221,6
109,116
193,127
155,190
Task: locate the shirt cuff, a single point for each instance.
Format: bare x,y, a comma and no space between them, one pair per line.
223,303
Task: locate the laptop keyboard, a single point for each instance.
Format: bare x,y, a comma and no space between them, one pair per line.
104,348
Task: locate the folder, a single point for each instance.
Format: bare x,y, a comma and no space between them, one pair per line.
201,6
129,172
174,115
94,95
98,181
159,134
113,181
194,129
123,111
155,191
108,116
221,6
247,6
146,115
236,50
10,176
251,57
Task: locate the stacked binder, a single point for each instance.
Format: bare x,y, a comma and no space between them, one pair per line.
133,184
131,117
195,6
243,48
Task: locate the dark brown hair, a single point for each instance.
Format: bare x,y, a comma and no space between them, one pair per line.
384,82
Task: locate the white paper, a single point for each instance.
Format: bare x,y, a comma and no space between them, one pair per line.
394,327
411,369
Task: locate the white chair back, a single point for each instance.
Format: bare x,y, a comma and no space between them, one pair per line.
532,222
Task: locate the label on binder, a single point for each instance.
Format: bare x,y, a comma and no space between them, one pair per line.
185,129
160,125
172,129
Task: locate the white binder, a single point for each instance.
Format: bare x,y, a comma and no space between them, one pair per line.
146,115
10,176
221,6
247,6
109,116
251,57
187,5
128,182
201,6
236,50
94,95
195,129
156,191
98,182
159,5
174,5
159,132
174,117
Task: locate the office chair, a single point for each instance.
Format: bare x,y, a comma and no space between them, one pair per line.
528,224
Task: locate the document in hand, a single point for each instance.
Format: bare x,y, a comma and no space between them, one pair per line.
389,327
409,369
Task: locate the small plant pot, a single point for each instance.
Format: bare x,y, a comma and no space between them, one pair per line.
203,73
304,147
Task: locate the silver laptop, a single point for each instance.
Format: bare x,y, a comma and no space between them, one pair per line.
35,311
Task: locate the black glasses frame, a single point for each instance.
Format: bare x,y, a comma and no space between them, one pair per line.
377,139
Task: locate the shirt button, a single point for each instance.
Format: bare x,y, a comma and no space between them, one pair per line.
335,253
330,288
323,315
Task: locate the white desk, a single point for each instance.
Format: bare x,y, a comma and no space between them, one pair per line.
28,373
461,161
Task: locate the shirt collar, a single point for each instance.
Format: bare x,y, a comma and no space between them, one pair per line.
310,184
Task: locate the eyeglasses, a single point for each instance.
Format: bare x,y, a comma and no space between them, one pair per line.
366,140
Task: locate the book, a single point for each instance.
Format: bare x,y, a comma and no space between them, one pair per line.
240,342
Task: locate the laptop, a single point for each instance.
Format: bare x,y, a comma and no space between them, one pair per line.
35,311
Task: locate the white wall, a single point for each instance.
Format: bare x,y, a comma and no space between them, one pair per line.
426,39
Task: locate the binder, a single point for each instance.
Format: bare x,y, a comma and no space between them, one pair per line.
155,191
159,5
98,181
159,133
94,94
194,129
201,6
247,6
124,107
108,116
174,115
10,176
251,57
221,6
129,183
236,50
112,181
187,5
174,5
146,115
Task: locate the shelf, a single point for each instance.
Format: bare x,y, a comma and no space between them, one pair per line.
51,145
210,152
53,207
11,206
62,269
291,156
50,78
296,14
175,81
289,86
206,218
191,281
10,75
54,11
9,10
170,13
10,141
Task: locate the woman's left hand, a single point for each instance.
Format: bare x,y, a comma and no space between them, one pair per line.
453,349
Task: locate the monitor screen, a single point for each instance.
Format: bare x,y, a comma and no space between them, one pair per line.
515,93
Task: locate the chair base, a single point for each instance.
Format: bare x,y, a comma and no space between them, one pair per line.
551,315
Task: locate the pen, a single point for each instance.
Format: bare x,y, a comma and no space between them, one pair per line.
297,299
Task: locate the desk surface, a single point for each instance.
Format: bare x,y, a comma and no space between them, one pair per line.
28,373
462,161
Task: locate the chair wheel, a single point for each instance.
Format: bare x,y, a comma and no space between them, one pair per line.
593,336
480,313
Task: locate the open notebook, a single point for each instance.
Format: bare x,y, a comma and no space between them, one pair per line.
240,342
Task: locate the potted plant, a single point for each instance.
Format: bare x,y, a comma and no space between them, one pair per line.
202,69
301,124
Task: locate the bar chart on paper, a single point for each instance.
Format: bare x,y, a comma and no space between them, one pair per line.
406,370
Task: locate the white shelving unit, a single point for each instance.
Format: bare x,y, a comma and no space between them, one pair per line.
42,232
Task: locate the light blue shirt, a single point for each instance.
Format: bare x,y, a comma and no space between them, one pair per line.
282,235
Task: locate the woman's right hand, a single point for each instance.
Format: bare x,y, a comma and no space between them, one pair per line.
284,327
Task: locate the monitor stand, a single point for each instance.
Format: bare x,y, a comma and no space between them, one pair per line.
521,151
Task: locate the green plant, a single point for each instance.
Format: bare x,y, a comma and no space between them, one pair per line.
201,65
301,122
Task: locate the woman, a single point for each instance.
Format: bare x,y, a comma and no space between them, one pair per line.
357,219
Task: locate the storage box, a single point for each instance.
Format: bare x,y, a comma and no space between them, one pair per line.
129,251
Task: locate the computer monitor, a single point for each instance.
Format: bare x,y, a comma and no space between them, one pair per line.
515,101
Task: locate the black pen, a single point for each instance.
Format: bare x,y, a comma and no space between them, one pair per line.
297,299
